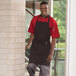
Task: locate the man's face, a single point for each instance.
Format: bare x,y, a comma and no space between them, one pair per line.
44,9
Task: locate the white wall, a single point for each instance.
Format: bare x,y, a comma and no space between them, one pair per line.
71,38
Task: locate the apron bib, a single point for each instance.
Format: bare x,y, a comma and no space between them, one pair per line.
40,48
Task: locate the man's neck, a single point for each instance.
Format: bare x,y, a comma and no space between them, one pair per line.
44,16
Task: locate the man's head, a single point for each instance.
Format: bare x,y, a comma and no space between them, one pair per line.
44,8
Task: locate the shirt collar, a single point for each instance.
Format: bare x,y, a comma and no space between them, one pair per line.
45,17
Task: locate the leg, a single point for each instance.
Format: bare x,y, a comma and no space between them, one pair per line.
44,70
31,69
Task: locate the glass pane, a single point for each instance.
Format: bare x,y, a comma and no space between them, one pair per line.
29,7
59,13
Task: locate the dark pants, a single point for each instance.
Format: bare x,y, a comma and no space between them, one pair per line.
44,69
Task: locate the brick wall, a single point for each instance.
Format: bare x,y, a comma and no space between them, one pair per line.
12,37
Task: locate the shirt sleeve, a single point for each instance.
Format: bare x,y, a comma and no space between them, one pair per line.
31,27
54,30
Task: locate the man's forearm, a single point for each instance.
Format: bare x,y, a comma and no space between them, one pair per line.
53,45
52,49
30,40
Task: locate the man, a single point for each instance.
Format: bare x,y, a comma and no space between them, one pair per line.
42,27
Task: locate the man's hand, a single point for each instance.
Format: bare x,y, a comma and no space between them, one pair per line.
50,57
27,46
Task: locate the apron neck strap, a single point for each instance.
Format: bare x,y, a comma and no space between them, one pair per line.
48,18
38,18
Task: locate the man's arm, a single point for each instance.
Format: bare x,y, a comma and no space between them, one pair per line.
30,40
52,49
